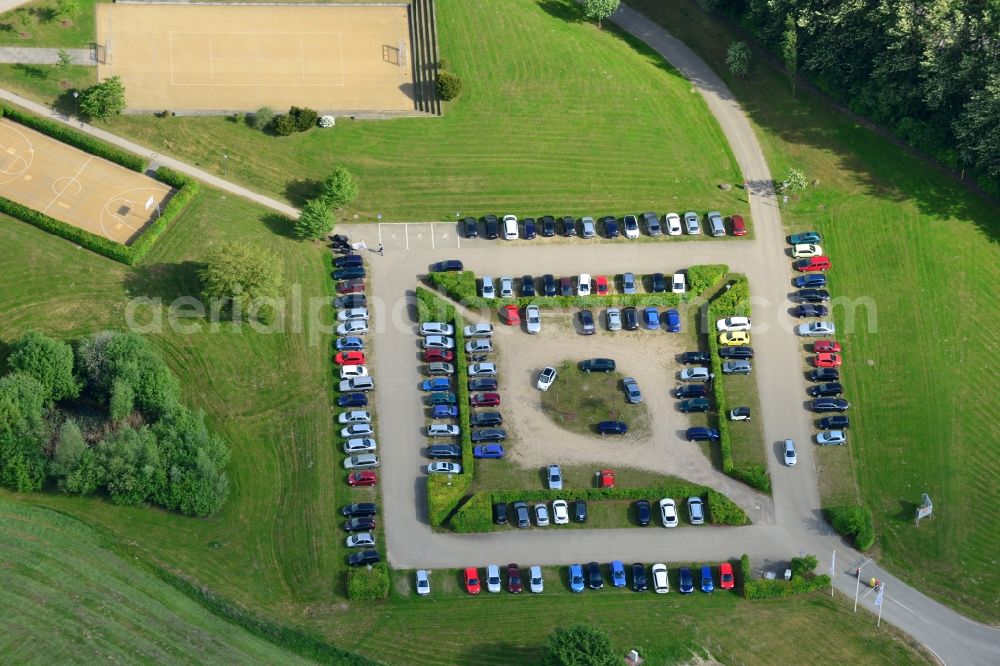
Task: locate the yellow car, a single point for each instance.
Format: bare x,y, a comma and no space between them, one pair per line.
734,338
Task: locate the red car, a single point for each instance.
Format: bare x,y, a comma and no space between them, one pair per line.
350,286
826,346
601,285
812,264
509,314
739,226
485,400
726,580
514,585
349,358
471,580
431,355
826,360
606,478
365,477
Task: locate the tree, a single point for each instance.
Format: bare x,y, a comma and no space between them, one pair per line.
196,458
48,361
599,9
789,50
110,356
122,400
63,61
339,188
67,10
794,180
262,118
69,448
580,645
131,462
738,59
103,99
315,221
448,85
243,276
22,433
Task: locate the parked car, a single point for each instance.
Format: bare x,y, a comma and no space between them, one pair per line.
693,405
569,226
678,284
360,445
611,428
692,223
696,510
361,461
638,577
436,328
630,225
547,225
527,286
702,434
597,365
668,512
686,391
595,580
835,423
435,451
812,264
353,327
586,322
485,400
353,314
440,369
580,511
349,301
826,346
349,273
695,374
365,383
349,343
812,295
673,321
628,283
545,378
483,384
363,558
360,524
829,405
661,583
739,414
436,384
438,342
652,222
448,266
361,540
472,580
438,355
423,580
500,513
642,512
733,324
514,585
588,226
492,226
441,398
478,330
739,226
352,400
810,310
831,438
583,285
482,369
658,283
606,478
362,478
510,227
576,578
487,289
816,328
788,451
506,287
522,514
479,346
484,435
692,357
673,222
630,319
610,226
613,319
529,228
533,319
805,237
736,352
355,286
716,225
739,367
360,510
804,250
469,227
825,390
811,281
560,512
444,468
541,515
566,286
632,393
726,579
686,580
535,582
617,574
486,419
734,339
553,476
651,318
601,285
707,584
443,430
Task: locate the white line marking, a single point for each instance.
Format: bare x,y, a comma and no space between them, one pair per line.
211,61
432,238
906,608
71,179
935,654
302,55
379,233
406,230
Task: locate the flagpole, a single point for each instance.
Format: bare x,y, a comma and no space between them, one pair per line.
881,601
857,589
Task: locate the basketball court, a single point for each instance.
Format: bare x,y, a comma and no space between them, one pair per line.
76,187
241,57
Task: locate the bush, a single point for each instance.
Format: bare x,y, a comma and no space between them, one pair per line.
703,276
368,583
448,85
285,125
476,515
773,589
262,118
744,573
723,511
853,521
804,566
305,119
580,645
49,361
755,476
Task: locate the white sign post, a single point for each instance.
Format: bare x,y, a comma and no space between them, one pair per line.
925,509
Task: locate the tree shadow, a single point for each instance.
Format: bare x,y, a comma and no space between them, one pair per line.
279,224
166,282
66,104
563,10
907,511
494,652
7,27
32,71
44,14
301,190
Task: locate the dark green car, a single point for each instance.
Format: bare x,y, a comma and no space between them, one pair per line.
694,405
442,398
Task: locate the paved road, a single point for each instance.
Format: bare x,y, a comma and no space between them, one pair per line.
42,56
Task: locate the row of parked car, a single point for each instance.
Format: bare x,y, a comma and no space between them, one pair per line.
608,226
360,522
583,284
559,514
590,575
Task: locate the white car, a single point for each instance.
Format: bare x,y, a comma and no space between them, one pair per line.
673,221
545,379
443,430
360,445
831,438
355,327
357,430
348,371
560,512
631,225
488,290
482,369
692,223
679,284
535,582
541,515
583,285
533,319
816,328
362,461
423,583
660,583
354,416
436,328
506,287
353,314
668,512
509,227
790,457
438,342
361,540
493,578
806,250
478,346
733,324
480,330
444,468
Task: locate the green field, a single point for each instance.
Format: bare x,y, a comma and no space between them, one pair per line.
924,251
35,24
578,400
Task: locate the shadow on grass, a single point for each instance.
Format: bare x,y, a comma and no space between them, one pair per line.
907,511
564,10
32,71
166,282
301,190
66,104
505,653
279,224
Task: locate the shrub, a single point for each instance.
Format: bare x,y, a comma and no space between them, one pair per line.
448,85
744,572
262,118
703,276
442,498
304,118
580,645
339,188
285,125
853,521
476,515
803,566
327,122
367,583
755,476
49,361
772,589
723,511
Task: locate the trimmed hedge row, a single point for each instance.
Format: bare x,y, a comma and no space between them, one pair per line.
364,584
84,142
476,515
774,589
853,521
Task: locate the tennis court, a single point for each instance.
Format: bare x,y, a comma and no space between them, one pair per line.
76,187
241,57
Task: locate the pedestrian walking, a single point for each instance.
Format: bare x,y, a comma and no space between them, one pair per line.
381,250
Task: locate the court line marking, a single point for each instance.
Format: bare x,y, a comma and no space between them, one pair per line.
71,179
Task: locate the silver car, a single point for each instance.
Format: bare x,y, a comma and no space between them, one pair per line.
816,328
482,370
436,328
695,374
614,318
488,291
691,223
361,540
442,430
541,515
480,330
740,367
506,287
533,319
831,438
362,461
423,582
478,346
360,445
444,468
589,228
356,430
696,510
354,416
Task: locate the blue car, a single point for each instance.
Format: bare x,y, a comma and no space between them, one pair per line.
488,451
529,228
618,573
673,321
687,580
702,434
436,384
445,412
349,273
576,578
812,280
805,237
652,318
628,283
350,343
706,579
353,400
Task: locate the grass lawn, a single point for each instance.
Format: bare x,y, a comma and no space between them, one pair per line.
578,401
47,82
747,437
35,24
923,253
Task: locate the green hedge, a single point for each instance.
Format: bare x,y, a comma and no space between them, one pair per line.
853,521
366,584
84,142
704,276
773,589
755,476
744,573
187,190
723,511
476,515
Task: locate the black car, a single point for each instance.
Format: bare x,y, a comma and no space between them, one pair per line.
351,301
566,286
595,580
569,226
813,295
489,435
360,525
529,228
824,375
829,405
736,352
825,390
339,240
810,310
586,322
444,451
348,261
696,358
547,226
448,266
492,226
642,512
470,228
500,514
549,282
639,577
630,319
527,286
659,283
580,511
483,384
486,419
835,423
597,364
610,226
522,514
349,273
611,428
691,391
693,405
364,557
360,510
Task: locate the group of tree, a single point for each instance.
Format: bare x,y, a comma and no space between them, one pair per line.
316,218
298,119
103,99
929,70
143,447
246,277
